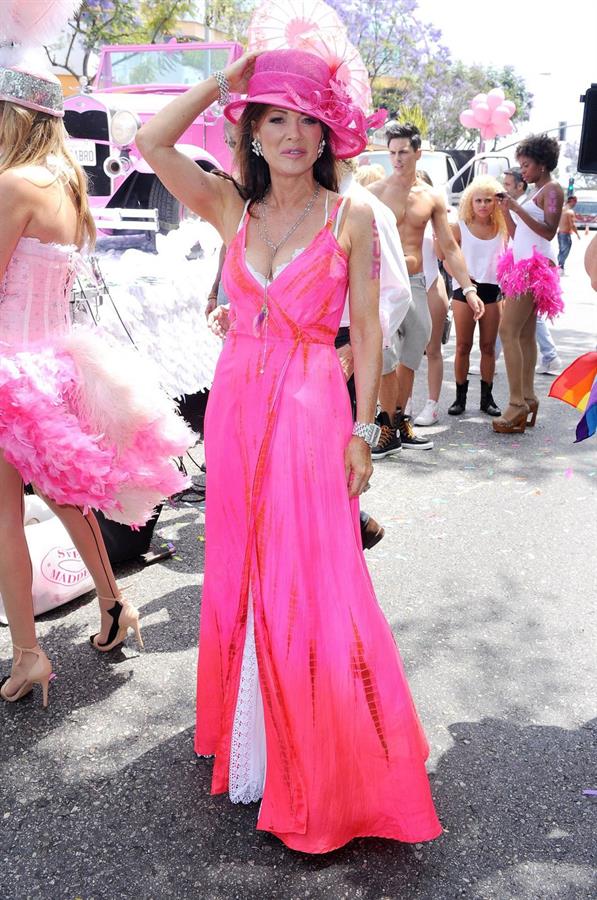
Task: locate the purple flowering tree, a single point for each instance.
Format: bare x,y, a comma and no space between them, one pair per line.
405,58
390,38
461,85
410,67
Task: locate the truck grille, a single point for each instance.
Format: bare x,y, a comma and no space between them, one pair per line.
92,125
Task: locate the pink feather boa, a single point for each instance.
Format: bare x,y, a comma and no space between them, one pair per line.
535,276
87,432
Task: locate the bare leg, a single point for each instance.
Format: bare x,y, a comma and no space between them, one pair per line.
87,538
528,344
438,307
406,379
15,564
488,331
465,330
388,393
516,312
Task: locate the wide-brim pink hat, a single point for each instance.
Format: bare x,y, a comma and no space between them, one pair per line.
303,82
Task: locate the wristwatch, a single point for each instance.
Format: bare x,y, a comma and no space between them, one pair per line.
368,431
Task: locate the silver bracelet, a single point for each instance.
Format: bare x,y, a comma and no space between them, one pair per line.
223,88
469,289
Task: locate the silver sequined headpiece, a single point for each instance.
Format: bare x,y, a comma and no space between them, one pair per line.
32,91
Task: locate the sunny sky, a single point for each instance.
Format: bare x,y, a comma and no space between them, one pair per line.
553,45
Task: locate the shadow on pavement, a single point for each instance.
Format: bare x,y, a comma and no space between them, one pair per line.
510,797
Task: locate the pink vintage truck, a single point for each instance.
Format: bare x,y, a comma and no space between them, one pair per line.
133,82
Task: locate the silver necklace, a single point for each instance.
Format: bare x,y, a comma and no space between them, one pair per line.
261,320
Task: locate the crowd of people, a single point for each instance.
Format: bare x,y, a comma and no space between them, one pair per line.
331,278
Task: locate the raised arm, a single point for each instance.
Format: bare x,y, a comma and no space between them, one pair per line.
552,211
211,197
365,334
452,254
510,223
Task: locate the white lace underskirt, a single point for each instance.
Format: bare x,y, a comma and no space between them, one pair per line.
248,750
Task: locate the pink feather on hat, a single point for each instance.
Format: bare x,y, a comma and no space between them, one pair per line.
34,22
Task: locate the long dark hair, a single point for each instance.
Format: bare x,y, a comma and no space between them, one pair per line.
254,175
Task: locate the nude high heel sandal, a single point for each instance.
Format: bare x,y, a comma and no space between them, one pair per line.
39,673
124,616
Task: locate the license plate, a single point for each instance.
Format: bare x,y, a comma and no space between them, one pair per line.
84,152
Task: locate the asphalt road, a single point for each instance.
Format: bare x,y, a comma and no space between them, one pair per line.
487,576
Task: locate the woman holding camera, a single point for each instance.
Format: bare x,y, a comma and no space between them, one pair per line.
528,276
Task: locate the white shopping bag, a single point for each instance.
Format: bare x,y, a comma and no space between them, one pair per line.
59,574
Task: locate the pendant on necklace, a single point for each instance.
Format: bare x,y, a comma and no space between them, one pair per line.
260,320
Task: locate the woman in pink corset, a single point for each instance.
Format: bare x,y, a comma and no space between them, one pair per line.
301,694
74,420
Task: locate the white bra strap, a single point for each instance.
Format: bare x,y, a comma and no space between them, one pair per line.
339,217
536,194
326,214
242,218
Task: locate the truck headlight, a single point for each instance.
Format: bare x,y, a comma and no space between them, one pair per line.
124,126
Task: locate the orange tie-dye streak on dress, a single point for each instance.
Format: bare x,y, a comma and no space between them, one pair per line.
286,583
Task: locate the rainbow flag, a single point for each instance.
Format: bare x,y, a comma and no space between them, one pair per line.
577,385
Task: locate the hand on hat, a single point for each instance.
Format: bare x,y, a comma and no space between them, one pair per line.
239,72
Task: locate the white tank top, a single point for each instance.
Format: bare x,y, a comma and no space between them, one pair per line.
525,239
481,256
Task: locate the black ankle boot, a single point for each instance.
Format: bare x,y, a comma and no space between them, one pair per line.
459,405
488,404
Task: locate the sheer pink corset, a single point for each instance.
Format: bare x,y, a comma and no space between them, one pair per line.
35,292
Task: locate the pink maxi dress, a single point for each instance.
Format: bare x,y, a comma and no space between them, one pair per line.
301,694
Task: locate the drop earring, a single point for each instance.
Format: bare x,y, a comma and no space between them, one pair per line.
321,147
257,147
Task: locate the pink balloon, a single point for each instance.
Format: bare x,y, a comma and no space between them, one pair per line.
478,98
467,118
511,106
508,128
482,113
502,126
495,97
488,132
499,121
502,111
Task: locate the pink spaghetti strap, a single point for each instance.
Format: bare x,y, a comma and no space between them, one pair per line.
335,211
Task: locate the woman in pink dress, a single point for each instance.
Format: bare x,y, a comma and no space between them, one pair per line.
75,421
301,694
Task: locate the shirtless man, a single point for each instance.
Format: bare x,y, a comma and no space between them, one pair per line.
566,229
414,204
